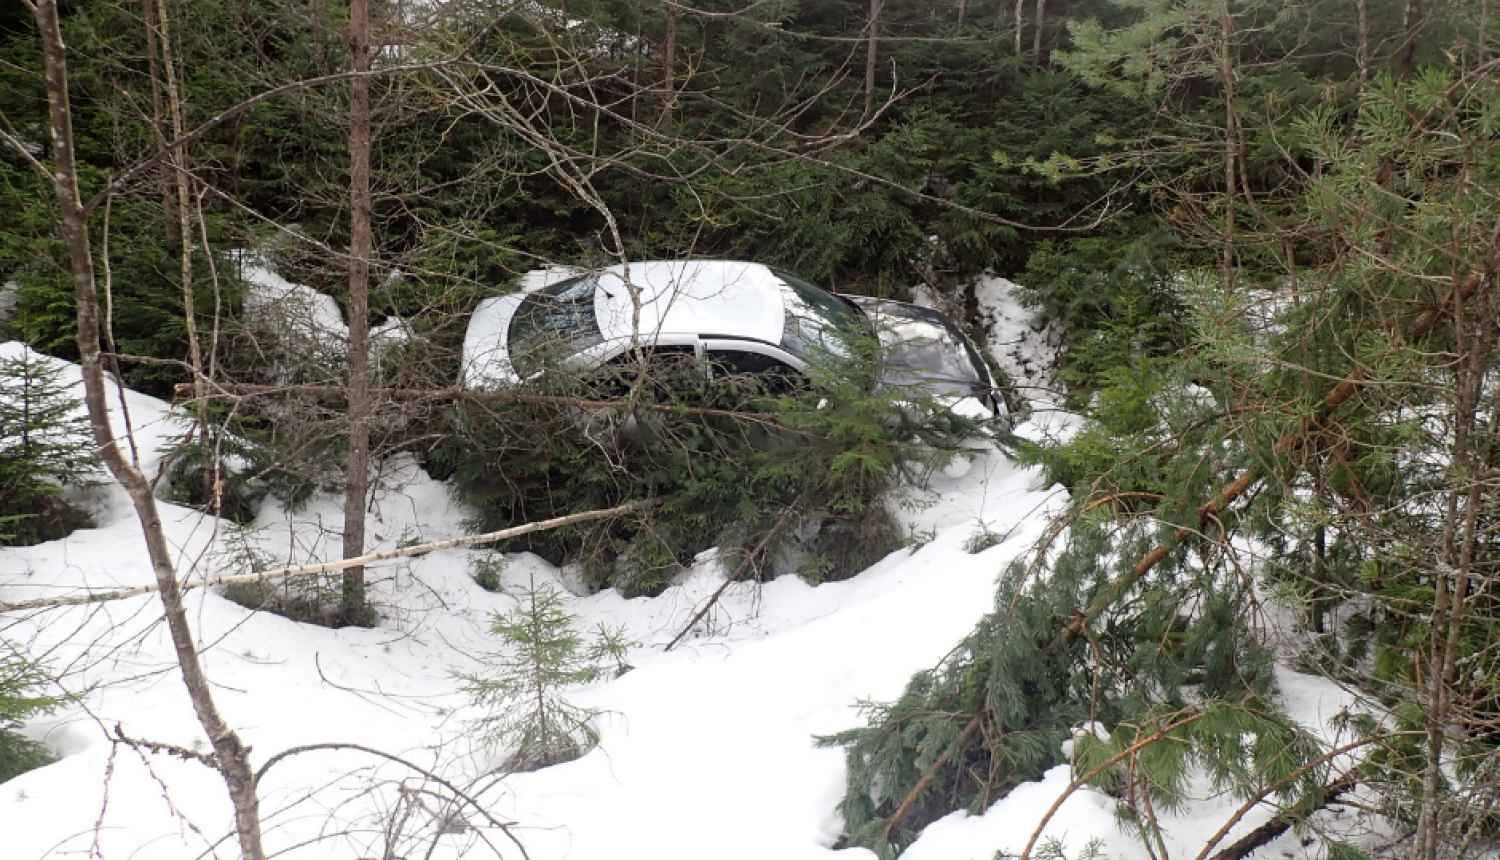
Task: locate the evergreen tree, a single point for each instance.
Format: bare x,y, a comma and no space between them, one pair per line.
20,681
45,444
522,688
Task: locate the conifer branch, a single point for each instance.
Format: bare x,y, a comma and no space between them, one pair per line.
1290,443
1111,762
1265,833
332,566
506,397
931,772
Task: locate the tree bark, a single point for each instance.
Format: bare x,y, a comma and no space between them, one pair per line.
1036,37
1020,23
872,55
233,757
669,67
1413,26
361,242
1231,142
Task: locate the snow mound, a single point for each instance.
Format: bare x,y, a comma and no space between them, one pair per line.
305,323
1024,349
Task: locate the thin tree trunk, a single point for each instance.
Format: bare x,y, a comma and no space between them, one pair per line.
184,192
1020,23
1412,27
184,232
158,110
1036,37
872,56
233,757
1231,142
669,66
361,242
1362,46
963,9
1480,50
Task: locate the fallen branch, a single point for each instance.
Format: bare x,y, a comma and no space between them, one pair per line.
929,774
1111,762
459,394
331,566
1244,845
1282,823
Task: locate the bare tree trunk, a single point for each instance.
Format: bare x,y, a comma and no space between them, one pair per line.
1412,27
356,486
1020,23
233,757
1480,50
184,230
1231,142
872,56
1036,37
669,66
158,109
1362,46
963,9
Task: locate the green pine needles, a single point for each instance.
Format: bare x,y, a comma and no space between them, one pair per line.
521,689
20,681
1164,665
809,462
45,445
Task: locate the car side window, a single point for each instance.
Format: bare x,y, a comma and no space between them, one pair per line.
771,374
671,371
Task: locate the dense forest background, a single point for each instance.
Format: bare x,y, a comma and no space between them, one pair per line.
1268,231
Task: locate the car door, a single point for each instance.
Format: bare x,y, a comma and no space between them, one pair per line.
751,363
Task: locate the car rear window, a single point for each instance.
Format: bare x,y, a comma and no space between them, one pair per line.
552,323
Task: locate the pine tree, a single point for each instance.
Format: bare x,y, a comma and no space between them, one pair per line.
45,444
522,688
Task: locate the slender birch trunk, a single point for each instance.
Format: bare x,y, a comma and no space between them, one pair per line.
233,757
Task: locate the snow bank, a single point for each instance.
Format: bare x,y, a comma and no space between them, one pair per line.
306,324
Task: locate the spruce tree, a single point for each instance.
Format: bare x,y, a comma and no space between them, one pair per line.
20,682
522,688
45,444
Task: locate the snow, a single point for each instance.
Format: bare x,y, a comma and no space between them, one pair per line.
306,323
1026,350
705,751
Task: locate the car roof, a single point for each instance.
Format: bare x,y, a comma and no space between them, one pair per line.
691,297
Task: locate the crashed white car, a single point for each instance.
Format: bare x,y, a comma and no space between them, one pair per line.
726,317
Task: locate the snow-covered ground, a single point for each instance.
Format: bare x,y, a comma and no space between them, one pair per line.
705,751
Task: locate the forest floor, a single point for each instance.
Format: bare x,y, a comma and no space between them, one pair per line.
706,751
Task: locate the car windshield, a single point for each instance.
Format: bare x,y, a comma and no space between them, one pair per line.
552,322
818,324
924,349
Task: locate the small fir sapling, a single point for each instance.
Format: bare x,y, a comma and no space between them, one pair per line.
20,681
521,688
45,445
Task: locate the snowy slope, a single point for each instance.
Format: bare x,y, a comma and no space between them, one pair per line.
706,751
